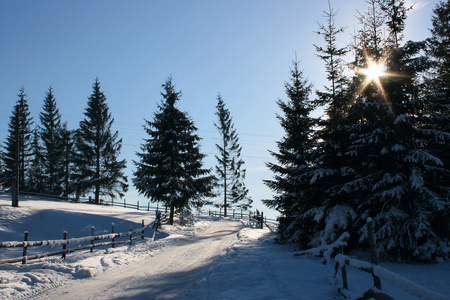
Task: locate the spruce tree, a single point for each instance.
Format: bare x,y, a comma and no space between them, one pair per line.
436,114
331,212
170,167
229,169
66,140
18,144
97,167
332,55
292,198
36,179
51,154
389,163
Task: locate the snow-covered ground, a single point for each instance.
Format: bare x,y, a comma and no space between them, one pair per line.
213,259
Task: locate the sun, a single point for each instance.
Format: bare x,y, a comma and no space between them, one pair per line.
374,71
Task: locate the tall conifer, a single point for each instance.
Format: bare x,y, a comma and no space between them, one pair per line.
229,169
51,151
97,167
19,132
170,166
292,191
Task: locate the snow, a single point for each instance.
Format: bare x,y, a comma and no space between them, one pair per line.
212,259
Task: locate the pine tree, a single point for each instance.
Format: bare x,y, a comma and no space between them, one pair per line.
52,155
229,169
292,189
436,114
332,55
19,131
97,149
395,11
36,179
66,139
331,212
388,162
170,168
438,48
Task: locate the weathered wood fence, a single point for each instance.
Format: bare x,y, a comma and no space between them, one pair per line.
335,251
124,203
256,216
89,241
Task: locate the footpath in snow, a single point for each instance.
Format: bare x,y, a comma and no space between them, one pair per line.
163,275
212,259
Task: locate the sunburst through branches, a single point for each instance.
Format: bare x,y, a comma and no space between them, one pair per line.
374,71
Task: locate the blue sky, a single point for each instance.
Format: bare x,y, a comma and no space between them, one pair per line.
242,49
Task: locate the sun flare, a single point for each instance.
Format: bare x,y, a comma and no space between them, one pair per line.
374,71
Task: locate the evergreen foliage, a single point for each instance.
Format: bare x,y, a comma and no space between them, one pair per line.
170,168
229,169
52,154
380,150
294,157
19,131
67,163
97,167
36,179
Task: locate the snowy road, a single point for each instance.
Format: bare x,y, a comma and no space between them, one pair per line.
162,276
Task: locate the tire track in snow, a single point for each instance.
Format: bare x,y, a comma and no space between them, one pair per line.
162,276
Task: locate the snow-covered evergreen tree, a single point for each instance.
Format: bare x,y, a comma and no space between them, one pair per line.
51,151
19,131
36,179
331,213
386,147
435,120
377,154
66,144
229,169
170,166
292,190
97,167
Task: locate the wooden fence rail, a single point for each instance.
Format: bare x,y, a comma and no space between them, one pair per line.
133,234
123,203
251,216
392,278
335,250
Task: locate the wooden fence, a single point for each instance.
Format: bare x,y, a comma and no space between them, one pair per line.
256,216
124,204
89,241
335,251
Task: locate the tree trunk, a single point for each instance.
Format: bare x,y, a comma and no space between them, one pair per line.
172,211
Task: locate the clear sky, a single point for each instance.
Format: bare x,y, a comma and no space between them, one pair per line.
240,49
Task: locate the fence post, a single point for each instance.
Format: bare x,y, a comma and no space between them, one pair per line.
373,252
158,218
138,205
25,246
220,211
143,230
233,213
148,206
112,231
131,235
343,271
92,239
64,245
262,220
124,203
